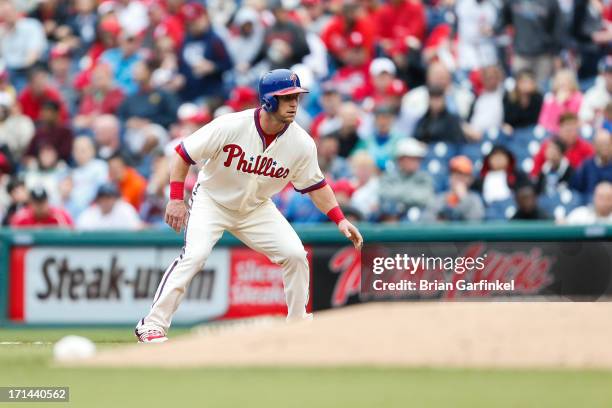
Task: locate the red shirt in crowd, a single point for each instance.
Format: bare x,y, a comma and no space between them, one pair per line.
31,104
336,35
575,154
59,136
396,22
96,103
56,217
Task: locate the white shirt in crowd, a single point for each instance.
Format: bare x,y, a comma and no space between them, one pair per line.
27,37
488,111
495,186
122,217
476,47
585,215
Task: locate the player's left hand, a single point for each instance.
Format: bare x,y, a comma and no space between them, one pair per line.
351,232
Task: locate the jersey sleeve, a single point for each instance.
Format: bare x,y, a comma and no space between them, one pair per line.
202,144
309,176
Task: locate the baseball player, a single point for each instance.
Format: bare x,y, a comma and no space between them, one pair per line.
248,157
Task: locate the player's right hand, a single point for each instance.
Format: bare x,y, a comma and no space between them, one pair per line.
176,214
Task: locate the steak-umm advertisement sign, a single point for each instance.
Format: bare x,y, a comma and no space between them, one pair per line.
107,285
114,285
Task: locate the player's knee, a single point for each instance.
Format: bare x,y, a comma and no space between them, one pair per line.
295,255
195,258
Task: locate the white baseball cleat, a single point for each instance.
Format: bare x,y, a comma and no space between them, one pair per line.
151,336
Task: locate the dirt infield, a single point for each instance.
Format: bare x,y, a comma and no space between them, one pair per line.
483,335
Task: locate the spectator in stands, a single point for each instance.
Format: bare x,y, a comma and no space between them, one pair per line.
349,123
153,209
600,212
476,20
46,172
54,16
109,212
328,120
8,164
203,59
244,41
439,124
122,60
488,109
38,91
458,99
62,77
83,23
107,38
564,98
314,17
556,171
332,165
406,185
6,88
522,105
166,76
16,130
596,169
51,131
39,213
148,105
346,27
353,74
598,96
366,181
18,194
499,176
593,35
131,184
607,123
301,210
106,135
131,14
577,149
101,97
23,43
381,142
458,203
400,24
383,87
537,30
86,177
163,25
243,97
284,43
527,202
343,189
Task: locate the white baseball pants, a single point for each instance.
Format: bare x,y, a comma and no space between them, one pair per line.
264,230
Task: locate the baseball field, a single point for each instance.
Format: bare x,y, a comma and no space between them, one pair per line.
118,377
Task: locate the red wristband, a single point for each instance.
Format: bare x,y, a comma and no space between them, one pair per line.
336,214
177,190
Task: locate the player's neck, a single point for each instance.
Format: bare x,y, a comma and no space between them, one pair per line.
269,124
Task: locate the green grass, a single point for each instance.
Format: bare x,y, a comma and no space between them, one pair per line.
29,365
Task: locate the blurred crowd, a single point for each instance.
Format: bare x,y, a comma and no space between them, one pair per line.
422,110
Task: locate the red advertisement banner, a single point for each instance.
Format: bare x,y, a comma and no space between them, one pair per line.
256,285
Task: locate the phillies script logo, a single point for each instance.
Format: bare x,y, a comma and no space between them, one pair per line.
531,272
261,165
347,263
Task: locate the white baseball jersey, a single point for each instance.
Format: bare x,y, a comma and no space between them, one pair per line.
241,172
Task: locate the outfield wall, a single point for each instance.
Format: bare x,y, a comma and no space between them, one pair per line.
67,277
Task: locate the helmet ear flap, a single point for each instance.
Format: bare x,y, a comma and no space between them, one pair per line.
270,103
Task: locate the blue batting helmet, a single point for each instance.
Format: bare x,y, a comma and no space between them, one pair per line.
278,82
